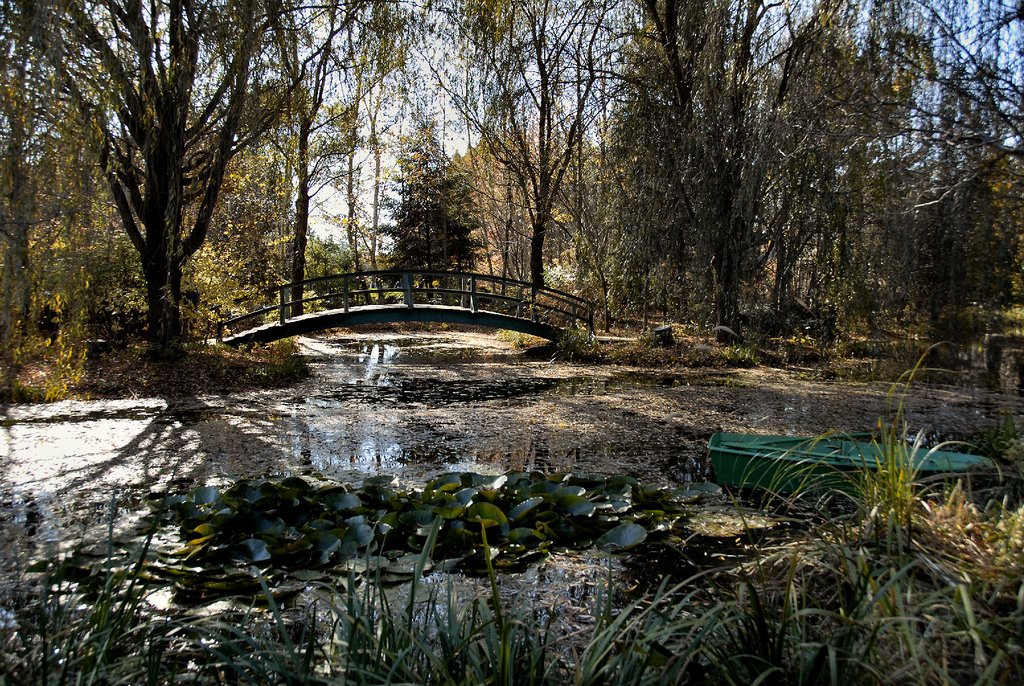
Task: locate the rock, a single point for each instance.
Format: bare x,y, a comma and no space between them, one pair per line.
97,347
663,336
1011,370
995,345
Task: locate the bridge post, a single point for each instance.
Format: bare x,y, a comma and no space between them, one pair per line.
472,293
407,285
344,297
284,305
533,303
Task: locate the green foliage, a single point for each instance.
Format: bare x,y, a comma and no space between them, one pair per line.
432,216
296,524
739,355
831,607
41,368
578,343
284,363
997,441
325,256
516,340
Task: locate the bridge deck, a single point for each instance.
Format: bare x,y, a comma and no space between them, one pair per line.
443,297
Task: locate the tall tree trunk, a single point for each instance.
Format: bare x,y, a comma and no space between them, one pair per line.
537,251
375,217
298,246
16,285
162,274
352,217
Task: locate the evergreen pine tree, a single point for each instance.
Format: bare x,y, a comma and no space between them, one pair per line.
433,223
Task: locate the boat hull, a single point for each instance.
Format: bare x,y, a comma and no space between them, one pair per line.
785,464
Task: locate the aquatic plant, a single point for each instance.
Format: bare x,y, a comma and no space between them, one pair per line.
294,525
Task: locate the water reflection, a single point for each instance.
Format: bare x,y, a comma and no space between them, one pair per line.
414,408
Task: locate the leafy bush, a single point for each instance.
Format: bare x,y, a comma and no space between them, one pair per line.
578,343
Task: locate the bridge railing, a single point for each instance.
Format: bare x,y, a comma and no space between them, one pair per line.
475,292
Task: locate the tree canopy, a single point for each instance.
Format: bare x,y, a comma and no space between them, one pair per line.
821,167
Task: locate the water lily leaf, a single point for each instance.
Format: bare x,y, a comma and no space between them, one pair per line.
491,483
204,495
416,518
307,575
445,482
450,512
618,506
341,501
245,492
359,533
524,507
622,537
707,487
618,480
487,514
543,488
205,529
297,483
300,545
449,564
198,541
252,550
324,541
361,565
406,564
524,534
575,505
466,495
588,481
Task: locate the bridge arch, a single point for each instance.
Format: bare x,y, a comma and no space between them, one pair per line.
383,296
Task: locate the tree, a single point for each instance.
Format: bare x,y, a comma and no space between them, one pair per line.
24,82
379,57
433,222
530,72
171,91
314,117
730,66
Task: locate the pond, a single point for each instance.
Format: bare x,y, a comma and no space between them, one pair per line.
418,405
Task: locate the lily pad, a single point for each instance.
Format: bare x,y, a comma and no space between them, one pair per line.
575,505
252,550
487,514
524,507
623,537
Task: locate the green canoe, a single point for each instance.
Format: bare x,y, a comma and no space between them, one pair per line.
786,464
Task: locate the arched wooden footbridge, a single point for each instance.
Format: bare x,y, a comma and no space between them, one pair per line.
408,296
